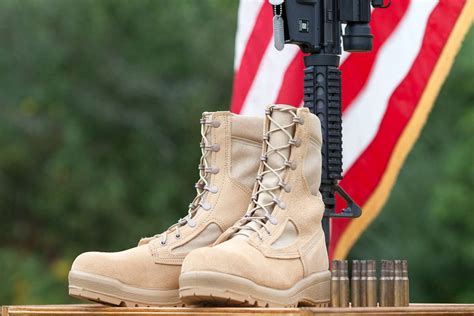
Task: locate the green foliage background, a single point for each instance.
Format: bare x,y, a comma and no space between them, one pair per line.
99,133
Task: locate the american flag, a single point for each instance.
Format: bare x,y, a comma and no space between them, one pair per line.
387,93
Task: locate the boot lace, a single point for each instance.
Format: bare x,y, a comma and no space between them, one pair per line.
202,185
259,213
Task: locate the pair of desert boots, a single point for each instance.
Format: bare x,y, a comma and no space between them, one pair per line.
252,235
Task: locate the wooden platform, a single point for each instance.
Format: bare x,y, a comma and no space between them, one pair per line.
99,310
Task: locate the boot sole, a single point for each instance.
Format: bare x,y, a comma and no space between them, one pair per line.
214,288
109,291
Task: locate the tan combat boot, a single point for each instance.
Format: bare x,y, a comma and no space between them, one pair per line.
276,254
148,274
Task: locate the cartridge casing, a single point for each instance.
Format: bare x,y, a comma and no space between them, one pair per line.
398,284
335,283
384,284
355,284
363,283
371,284
343,284
391,284
406,284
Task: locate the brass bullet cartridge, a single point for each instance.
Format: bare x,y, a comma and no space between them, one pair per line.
384,284
406,284
335,283
398,284
391,283
343,284
355,284
371,284
363,283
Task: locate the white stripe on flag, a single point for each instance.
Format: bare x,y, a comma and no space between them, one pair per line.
344,56
362,120
248,12
268,80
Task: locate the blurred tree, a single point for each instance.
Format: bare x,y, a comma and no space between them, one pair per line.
99,109
99,124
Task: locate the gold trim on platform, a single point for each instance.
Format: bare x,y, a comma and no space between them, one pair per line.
100,310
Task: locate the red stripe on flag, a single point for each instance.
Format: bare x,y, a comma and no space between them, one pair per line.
357,67
361,180
253,54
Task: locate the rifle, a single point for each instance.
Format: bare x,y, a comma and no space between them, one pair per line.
316,27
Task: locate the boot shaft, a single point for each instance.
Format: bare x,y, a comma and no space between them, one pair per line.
286,130
230,146
284,217
298,199
290,170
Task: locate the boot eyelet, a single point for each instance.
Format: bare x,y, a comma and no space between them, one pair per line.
199,185
177,236
212,170
215,147
290,164
280,204
286,187
163,243
205,206
273,221
298,120
191,223
212,189
215,124
295,142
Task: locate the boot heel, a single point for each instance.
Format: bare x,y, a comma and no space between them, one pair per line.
317,295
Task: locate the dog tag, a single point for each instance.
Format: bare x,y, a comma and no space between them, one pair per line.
278,32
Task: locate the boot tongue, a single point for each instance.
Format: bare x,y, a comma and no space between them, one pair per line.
275,160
